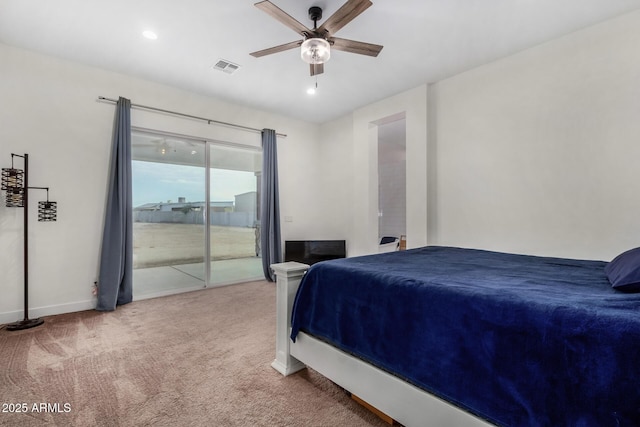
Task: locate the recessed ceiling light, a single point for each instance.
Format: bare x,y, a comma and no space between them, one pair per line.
150,35
313,89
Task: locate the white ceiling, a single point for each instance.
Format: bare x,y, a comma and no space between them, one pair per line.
424,41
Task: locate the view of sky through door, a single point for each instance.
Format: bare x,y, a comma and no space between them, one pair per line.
182,181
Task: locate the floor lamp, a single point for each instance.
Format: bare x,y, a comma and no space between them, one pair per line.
16,184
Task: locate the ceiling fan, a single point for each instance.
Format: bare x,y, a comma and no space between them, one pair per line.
317,42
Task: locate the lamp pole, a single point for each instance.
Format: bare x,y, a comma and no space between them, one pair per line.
26,323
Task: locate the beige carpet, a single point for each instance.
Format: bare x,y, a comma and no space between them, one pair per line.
196,359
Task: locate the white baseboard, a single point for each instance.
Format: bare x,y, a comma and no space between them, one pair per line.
50,310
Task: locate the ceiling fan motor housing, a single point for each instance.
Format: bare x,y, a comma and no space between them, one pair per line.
315,14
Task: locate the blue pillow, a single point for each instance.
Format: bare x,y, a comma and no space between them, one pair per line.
624,271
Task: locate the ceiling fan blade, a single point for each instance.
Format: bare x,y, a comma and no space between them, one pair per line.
316,69
347,13
283,17
276,49
353,46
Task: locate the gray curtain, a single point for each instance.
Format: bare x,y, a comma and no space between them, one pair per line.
269,205
116,258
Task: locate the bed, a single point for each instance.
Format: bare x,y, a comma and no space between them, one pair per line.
452,336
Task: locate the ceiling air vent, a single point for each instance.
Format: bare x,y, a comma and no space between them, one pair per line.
226,66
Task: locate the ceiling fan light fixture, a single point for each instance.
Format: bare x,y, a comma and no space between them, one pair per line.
315,51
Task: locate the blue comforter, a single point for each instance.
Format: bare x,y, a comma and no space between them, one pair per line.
517,340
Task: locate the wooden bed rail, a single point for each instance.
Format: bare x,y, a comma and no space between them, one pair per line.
288,277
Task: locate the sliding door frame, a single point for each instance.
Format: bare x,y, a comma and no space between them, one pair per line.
208,143
206,215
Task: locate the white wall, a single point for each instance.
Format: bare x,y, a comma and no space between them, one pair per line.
538,153
48,109
335,161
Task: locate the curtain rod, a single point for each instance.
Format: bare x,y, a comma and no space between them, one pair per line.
175,113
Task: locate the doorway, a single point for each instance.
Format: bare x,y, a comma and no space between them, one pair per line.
392,181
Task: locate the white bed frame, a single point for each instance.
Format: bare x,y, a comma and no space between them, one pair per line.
398,399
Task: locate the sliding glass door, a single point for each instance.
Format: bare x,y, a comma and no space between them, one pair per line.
234,232
168,199
194,213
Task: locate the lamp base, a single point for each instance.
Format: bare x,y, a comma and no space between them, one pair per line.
24,324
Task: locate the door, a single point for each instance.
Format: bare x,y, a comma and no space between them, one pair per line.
195,213
233,214
168,176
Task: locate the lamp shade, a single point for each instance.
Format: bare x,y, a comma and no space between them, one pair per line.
315,51
47,211
15,197
11,178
